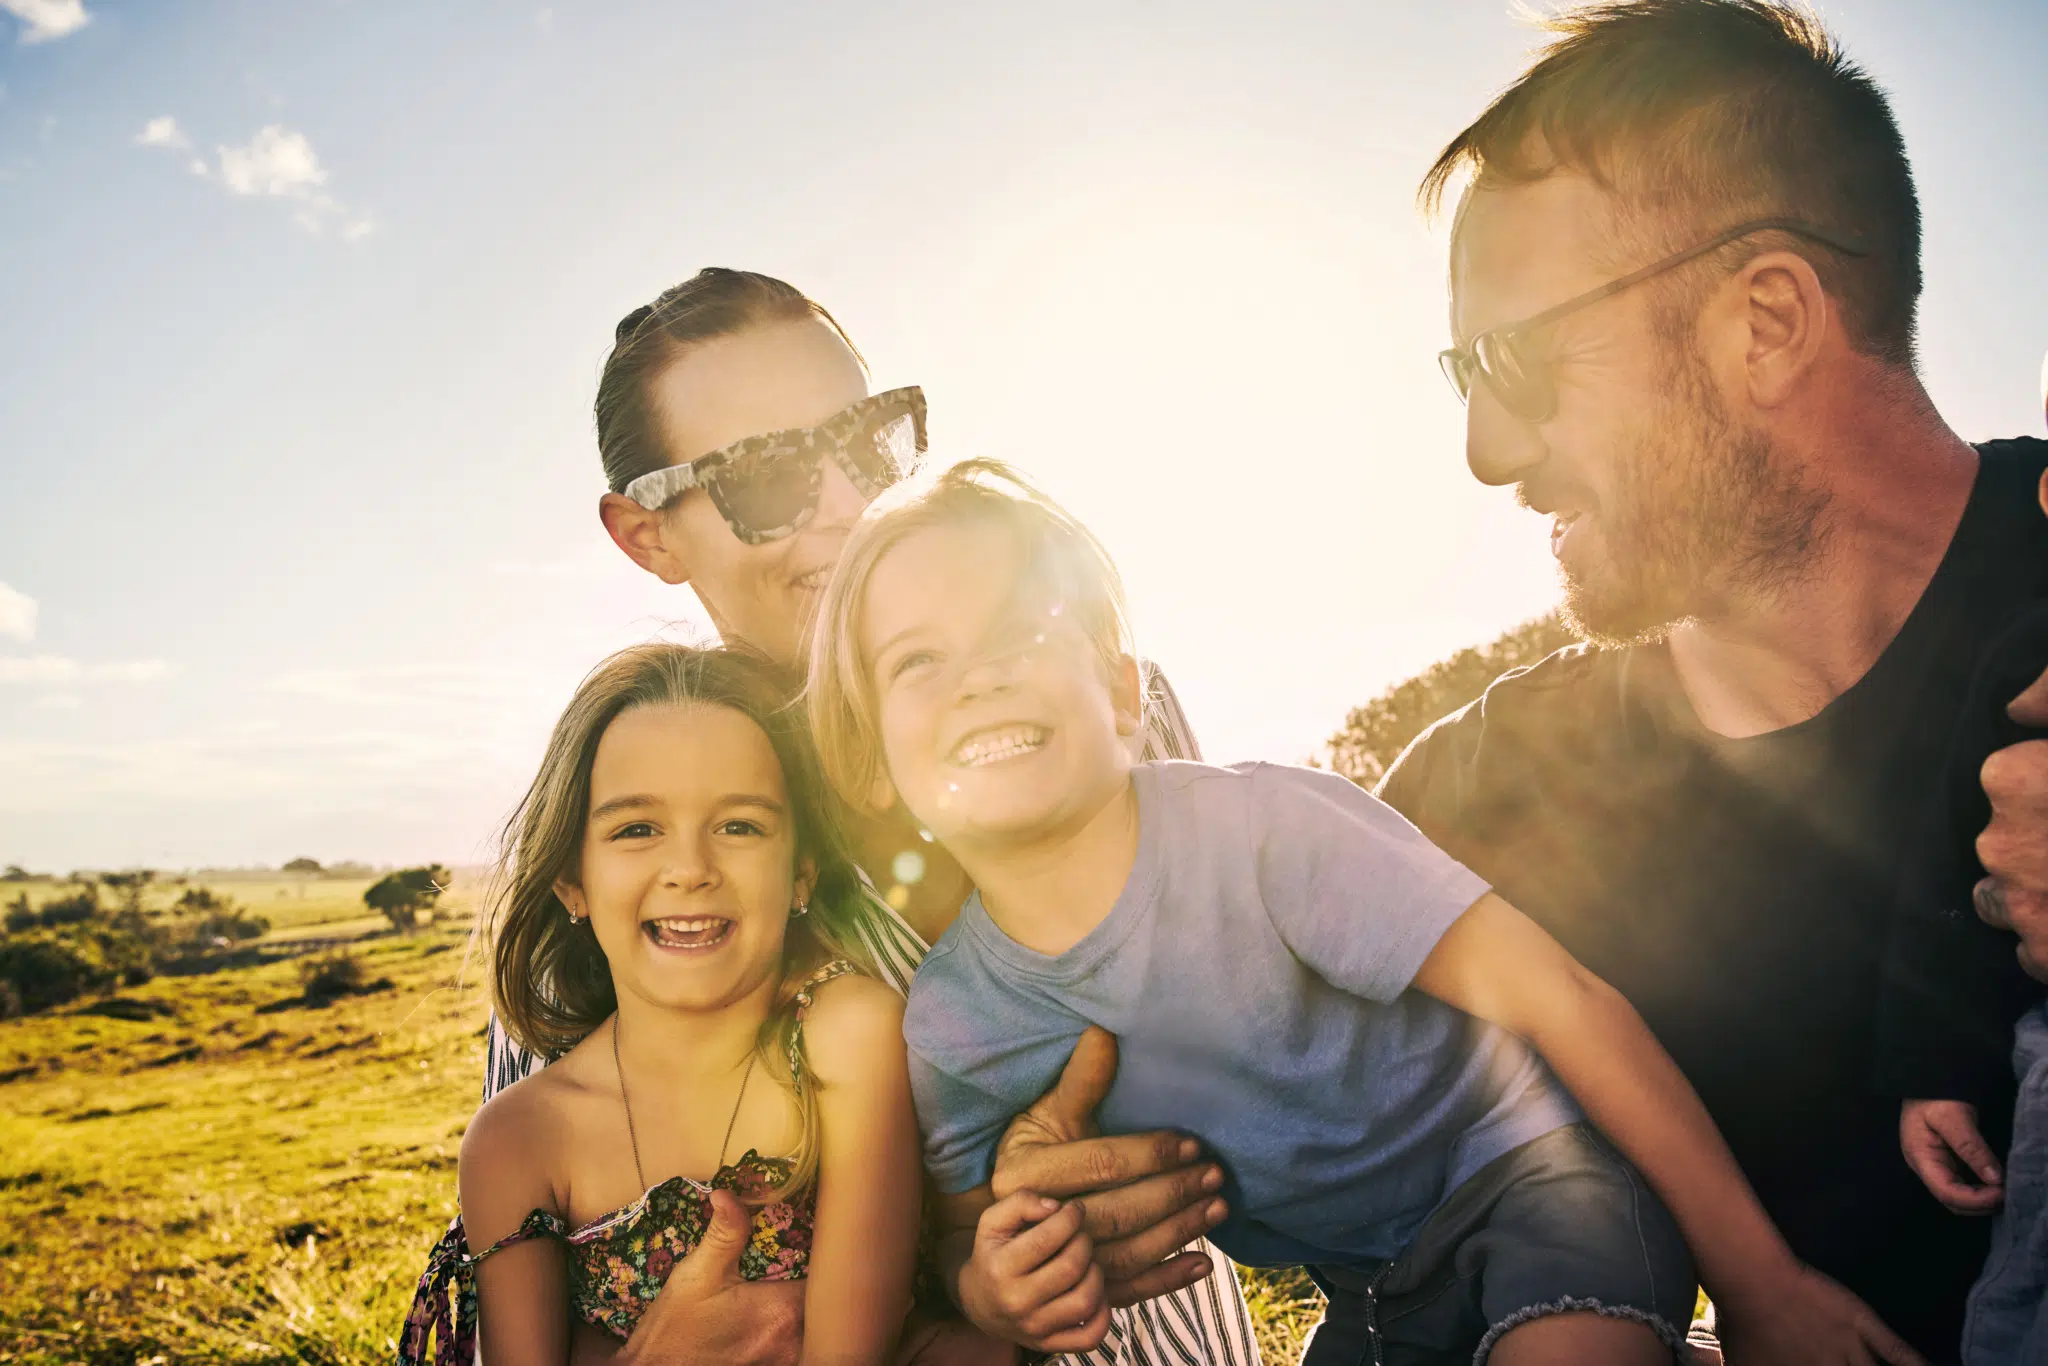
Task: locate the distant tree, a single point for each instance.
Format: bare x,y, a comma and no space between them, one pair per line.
20,915
407,897
130,886
305,867
1374,735
40,973
75,909
16,873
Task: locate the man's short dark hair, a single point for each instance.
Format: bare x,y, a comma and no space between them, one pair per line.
1699,114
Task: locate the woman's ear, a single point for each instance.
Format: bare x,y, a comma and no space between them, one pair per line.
1127,694
572,898
638,532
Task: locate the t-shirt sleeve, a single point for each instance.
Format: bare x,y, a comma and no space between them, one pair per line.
961,1124
1356,892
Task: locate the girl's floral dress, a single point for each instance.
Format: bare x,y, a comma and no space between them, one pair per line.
620,1261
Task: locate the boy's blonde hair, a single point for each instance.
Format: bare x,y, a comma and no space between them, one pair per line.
841,695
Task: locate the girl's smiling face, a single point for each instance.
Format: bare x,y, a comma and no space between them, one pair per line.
689,869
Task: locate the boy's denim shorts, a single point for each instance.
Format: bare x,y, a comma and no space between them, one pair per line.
1562,1224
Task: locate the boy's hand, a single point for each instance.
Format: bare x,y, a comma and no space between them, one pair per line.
1801,1318
1146,1195
1945,1150
1032,1276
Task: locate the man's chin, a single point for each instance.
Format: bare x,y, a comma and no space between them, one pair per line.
1609,610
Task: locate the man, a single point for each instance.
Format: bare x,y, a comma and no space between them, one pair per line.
1683,284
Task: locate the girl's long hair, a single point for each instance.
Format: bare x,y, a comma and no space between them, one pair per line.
551,984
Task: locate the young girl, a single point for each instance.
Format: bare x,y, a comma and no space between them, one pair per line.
680,933
1349,1019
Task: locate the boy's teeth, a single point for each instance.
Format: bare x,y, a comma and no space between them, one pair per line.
994,746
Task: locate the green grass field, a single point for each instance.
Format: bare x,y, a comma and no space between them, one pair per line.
241,1177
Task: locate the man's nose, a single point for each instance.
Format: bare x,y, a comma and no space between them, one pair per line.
1500,448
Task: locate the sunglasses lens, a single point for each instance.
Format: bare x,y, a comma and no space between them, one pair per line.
886,450
770,491
1457,368
1523,388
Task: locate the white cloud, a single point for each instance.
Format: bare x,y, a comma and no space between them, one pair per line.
163,132
46,20
52,670
276,161
17,614
60,701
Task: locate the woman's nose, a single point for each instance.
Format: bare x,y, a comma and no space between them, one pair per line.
1500,448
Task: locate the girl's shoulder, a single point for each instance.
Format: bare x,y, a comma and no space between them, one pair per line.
527,1125
853,1025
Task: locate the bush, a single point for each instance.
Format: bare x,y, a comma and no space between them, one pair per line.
407,898
1374,735
230,925
70,910
21,916
331,975
47,972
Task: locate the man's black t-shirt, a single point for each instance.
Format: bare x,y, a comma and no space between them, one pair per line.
1741,893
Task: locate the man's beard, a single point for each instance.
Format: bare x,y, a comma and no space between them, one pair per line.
1701,514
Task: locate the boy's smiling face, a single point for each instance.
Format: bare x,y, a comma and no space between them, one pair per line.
999,721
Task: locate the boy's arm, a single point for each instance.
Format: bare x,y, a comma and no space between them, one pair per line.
1497,964
864,1249
522,1291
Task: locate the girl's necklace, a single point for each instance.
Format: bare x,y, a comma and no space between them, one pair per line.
639,1172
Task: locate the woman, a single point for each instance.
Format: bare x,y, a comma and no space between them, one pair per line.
740,445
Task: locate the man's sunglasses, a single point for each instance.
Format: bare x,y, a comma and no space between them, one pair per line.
766,487
1505,358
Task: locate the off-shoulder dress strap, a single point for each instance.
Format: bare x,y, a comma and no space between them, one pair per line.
838,967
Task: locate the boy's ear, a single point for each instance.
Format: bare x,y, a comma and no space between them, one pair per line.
638,532
1127,694
571,896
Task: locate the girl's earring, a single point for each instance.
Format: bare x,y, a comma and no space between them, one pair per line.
801,908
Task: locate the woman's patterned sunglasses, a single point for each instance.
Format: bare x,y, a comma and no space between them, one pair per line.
766,487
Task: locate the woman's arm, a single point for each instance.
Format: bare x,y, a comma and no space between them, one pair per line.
522,1291
870,1184
1496,963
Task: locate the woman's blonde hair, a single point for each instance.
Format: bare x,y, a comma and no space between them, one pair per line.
981,493
551,984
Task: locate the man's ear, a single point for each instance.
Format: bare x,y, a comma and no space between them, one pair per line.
572,897
637,531
1783,318
1127,695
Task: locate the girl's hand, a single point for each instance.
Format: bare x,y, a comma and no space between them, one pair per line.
1804,1319
1946,1151
1032,1277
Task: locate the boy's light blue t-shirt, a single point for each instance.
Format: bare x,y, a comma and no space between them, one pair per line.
1255,971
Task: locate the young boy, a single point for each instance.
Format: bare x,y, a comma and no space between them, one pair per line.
1347,1017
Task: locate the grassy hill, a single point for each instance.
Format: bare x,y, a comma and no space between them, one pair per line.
216,1169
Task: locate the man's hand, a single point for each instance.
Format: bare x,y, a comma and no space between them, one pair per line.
1146,1195
2014,846
1945,1150
706,1315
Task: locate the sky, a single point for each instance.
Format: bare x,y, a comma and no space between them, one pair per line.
302,309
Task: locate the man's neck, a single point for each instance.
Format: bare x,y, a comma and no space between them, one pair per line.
1898,480
1049,892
